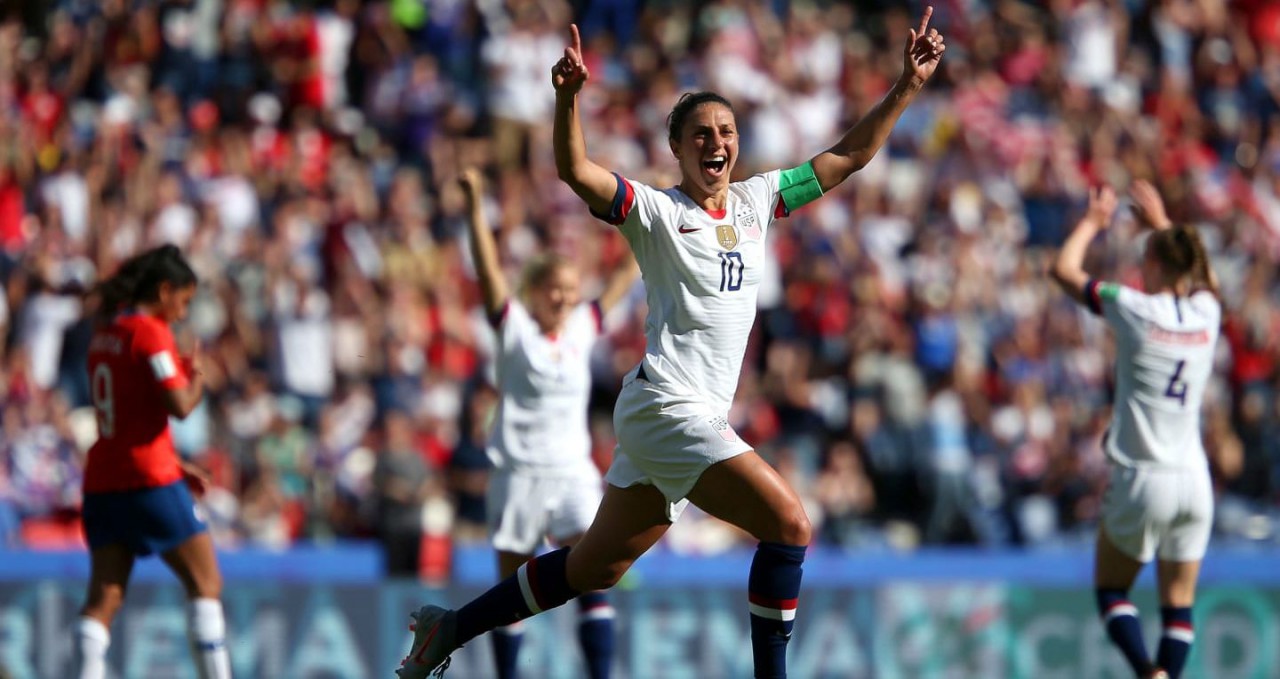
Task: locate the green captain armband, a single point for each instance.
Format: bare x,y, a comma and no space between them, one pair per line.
799,186
1109,291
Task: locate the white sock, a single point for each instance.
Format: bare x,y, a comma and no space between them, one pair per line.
92,641
207,630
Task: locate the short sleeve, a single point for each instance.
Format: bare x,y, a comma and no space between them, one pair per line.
494,52
1123,308
634,207
1093,295
597,315
514,324
592,318
155,346
497,318
765,196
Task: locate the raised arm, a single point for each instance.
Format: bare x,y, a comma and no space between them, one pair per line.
593,184
620,282
484,252
1148,207
859,145
1068,268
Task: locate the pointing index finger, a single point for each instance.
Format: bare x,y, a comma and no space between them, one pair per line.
577,41
924,20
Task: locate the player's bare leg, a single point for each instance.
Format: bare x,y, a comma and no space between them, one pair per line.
1177,584
750,494
1113,575
628,523
110,567
196,566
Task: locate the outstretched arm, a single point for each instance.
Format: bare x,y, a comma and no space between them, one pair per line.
619,283
484,252
859,145
594,185
1068,268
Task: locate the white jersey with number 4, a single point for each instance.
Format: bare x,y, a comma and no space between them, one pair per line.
1164,356
545,385
702,270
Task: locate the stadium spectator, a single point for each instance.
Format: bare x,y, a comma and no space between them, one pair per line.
402,482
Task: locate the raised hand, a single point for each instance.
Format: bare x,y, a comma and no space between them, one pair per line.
472,182
188,346
570,72
1102,204
195,364
923,51
1148,206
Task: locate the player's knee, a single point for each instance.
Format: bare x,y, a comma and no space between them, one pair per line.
104,602
794,527
1180,593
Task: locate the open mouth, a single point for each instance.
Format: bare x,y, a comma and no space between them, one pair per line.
715,166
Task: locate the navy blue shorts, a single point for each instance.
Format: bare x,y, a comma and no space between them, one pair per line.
148,521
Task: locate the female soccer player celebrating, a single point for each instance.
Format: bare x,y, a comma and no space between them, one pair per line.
545,484
1160,499
701,248
136,497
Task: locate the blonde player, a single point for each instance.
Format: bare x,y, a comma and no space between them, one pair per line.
544,484
1160,500
701,248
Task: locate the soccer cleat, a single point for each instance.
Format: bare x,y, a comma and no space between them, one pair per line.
433,634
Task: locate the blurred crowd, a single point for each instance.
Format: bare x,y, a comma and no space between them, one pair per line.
912,372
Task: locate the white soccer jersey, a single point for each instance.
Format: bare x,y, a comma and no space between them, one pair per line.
1164,356
545,384
701,270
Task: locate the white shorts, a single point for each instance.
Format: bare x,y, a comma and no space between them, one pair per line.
525,509
1159,511
667,441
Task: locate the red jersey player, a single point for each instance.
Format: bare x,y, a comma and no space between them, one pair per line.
137,492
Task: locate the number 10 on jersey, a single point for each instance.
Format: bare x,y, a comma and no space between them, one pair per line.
731,268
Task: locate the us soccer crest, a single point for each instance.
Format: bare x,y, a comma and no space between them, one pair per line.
727,236
745,218
721,427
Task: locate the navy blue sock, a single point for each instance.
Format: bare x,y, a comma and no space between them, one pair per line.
1175,643
772,590
595,633
1121,620
540,585
506,649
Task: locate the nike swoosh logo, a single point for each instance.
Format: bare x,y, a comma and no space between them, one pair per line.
418,657
685,229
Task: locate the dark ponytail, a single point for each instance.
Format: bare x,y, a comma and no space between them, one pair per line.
687,102
138,280
1201,276
1181,252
